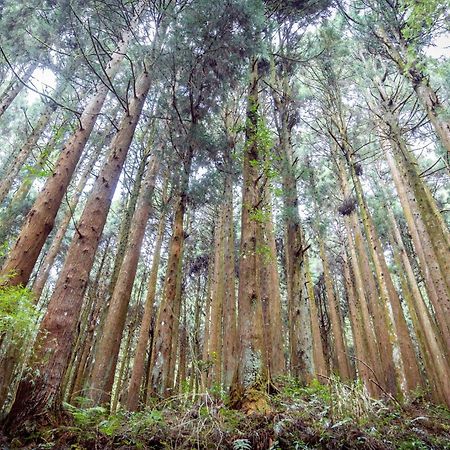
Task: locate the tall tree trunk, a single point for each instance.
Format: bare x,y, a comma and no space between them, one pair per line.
40,220
435,284
229,308
300,334
435,226
195,341
102,377
166,318
436,358
118,394
389,294
246,390
15,88
11,354
417,190
413,71
128,204
366,291
361,349
175,349
320,364
40,126
217,300
277,363
205,349
335,317
139,359
57,331
183,346
83,341
126,223
53,251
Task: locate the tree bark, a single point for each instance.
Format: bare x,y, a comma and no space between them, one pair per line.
40,220
14,90
229,309
160,366
102,377
435,284
52,253
86,327
432,346
246,390
335,318
57,331
139,359
400,334
359,334
376,338
300,334
217,300
25,151
320,364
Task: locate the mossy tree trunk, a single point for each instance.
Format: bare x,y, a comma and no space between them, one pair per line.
436,358
389,296
246,391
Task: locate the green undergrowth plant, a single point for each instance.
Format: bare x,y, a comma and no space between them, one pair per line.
18,313
331,415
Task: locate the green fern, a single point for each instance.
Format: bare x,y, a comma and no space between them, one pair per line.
242,444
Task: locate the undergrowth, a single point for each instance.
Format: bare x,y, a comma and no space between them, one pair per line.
332,416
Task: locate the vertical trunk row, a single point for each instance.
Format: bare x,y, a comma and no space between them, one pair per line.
166,321
58,328
359,327
335,318
40,220
137,373
205,349
376,339
183,346
174,350
320,363
126,223
82,344
44,271
436,285
334,311
433,221
275,345
400,333
300,333
436,359
102,377
27,148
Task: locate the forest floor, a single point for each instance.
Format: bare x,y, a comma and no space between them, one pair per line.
335,416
